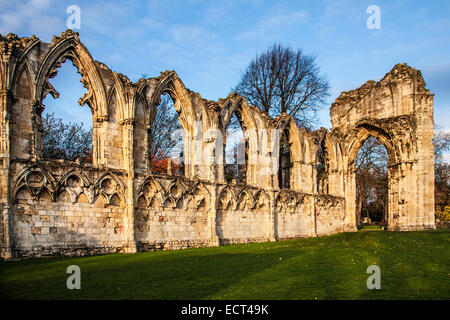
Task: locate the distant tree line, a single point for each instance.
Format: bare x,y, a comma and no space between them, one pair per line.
442,170
68,141
371,182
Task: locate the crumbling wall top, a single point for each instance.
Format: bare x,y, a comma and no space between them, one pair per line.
389,93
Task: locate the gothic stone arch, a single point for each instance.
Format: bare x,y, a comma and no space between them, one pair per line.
398,111
247,116
68,46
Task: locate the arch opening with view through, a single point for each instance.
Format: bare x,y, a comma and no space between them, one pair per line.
166,139
66,126
235,152
372,187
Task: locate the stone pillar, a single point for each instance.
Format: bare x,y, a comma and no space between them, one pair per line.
218,169
273,216
212,214
296,175
425,168
188,159
350,200
394,189
98,147
5,209
130,246
169,166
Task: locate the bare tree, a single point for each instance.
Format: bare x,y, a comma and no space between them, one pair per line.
442,185
68,141
283,80
371,180
441,143
441,168
165,142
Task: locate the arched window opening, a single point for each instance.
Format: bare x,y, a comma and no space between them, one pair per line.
371,166
322,172
235,152
166,139
67,126
285,164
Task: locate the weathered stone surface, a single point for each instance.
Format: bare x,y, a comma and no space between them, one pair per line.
116,204
398,111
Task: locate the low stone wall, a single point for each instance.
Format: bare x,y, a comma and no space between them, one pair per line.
242,226
59,210
143,246
294,216
63,251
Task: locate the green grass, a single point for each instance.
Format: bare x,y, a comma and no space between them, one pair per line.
370,228
414,265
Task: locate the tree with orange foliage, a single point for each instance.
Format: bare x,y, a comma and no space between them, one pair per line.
164,140
160,164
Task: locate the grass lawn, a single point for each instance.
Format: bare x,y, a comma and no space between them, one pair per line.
414,265
370,228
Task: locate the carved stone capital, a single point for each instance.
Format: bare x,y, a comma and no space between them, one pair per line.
127,122
100,118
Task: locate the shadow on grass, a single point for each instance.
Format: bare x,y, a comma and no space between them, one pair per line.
413,266
142,276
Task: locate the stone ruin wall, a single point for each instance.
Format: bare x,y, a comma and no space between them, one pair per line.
116,204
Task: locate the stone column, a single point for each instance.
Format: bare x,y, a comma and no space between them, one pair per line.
296,175
425,168
350,200
169,166
212,214
98,147
5,208
273,216
215,157
130,240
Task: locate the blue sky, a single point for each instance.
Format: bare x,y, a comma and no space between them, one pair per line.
209,43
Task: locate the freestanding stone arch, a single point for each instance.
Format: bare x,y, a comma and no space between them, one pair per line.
398,111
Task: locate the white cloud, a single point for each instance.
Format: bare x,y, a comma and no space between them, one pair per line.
272,24
192,34
345,10
31,17
437,78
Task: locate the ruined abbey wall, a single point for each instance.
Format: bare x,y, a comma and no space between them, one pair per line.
116,204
